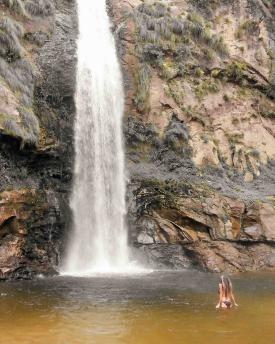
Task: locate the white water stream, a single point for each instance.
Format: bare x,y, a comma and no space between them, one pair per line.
99,239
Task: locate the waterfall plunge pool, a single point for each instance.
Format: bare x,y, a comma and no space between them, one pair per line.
155,308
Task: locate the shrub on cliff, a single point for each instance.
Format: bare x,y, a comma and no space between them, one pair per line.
41,8
176,134
16,5
19,77
12,128
10,34
271,91
17,71
143,76
174,42
30,126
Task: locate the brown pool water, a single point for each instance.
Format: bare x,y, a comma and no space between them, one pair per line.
161,307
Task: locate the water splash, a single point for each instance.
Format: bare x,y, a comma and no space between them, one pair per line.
99,240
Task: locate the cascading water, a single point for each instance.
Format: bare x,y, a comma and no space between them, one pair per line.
99,240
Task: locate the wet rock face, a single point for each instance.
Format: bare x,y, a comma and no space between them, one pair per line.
36,134
28,243
204,229
199,129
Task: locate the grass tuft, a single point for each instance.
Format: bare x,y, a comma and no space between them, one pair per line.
220,46
177,26
17,6
249,27
143,77
155,25
30,126
11,128
161,38
10,34
236,71
156,10
39,8
19,77
26,8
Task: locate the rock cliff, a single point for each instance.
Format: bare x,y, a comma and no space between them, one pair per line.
37,80
200,130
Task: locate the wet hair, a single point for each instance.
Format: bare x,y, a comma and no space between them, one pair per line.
227,285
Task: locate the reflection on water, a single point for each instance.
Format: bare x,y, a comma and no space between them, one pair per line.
154,308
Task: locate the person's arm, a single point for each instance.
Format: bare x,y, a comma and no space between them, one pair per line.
220,297
233,299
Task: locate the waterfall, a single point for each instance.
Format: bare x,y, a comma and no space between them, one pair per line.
98,242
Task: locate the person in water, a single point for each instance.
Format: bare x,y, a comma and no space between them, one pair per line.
226,296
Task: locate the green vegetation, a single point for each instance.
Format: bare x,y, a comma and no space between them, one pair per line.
220,46
271,88
268,113
198,72
18,76
155,194
271,53
226,97
234,140
207,7
169,69
206,86
249,27
171,44
30,126
41,8
176,90
17,72
17,6
271,199
26,128
208,54
141,151
266,108
11,128
10,34
235,71
143,77
195,18
177,136
253,152
188,111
